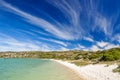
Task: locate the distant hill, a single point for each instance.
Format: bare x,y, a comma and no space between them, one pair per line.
105,55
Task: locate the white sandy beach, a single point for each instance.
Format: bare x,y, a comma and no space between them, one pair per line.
93,72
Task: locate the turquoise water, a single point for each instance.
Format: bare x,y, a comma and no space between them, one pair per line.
31,69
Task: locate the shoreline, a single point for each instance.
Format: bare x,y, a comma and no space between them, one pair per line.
92,72
73,68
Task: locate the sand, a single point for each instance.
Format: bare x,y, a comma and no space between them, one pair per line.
72,72
93,72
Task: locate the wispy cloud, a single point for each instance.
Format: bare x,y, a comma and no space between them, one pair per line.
109,46
72,12
57,29
99,21
8,43
64,49
117,38
103,24
27,32
79,47
94,48
40,32
88,39
102,44
54,41
82,20
90,9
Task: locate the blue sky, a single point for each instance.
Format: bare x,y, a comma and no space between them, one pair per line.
48,25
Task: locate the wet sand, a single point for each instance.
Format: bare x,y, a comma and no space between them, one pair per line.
72,73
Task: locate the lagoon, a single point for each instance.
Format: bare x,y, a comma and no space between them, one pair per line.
33,69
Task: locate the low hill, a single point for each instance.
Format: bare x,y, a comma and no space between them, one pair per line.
105,55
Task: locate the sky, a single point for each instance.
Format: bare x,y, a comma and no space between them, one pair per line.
59,25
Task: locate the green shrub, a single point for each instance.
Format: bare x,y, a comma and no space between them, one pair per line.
94,56
117,69
111,55
108,57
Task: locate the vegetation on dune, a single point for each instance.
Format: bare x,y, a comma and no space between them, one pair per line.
111,55
117,69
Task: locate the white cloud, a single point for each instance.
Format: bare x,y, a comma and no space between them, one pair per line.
79,47
72,12
88,39
109,46
103,24
94,48
58,42
64,49
28,32
117,38
54,41
102,44
8,43
40,32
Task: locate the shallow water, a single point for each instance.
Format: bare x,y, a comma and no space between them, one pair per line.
32,69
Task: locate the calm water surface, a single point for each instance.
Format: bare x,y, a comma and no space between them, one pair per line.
32,69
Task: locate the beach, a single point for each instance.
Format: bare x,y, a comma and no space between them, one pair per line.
72,71
93,72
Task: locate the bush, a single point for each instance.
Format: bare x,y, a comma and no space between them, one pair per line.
117,69
111,55
94,56
108,57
